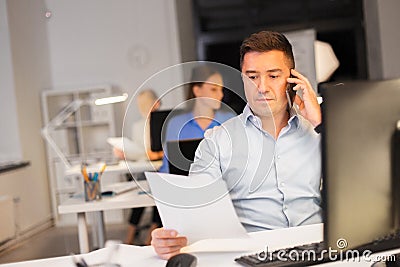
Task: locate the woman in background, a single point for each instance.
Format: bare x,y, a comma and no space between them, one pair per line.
138,148
204,102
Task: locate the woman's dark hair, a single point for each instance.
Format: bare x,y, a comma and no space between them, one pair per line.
200,74
266,41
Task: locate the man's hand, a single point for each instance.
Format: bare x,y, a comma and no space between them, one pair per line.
166,243
308,104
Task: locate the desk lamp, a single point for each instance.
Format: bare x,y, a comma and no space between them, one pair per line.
66,112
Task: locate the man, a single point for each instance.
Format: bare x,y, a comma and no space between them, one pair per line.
269,156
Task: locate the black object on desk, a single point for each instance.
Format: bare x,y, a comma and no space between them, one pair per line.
181,155
158,125
360,191
304,255
284,257
182,260
158,121
395,263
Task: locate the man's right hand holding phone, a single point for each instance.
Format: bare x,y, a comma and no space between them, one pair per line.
308,104
167,243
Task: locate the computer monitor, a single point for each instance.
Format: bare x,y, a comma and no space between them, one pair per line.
181,155
360,119
158,120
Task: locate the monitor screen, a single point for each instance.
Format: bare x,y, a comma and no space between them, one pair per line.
181,155
360,119
157,120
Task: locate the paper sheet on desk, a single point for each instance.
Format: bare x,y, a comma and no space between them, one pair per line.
198,207
273,239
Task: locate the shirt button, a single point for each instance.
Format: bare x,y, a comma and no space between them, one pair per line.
283,184
278,157
284,207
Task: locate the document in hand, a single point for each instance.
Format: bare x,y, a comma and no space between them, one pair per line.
133,150
119,142
198,207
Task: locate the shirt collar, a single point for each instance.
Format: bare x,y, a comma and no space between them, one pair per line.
293,118
249,115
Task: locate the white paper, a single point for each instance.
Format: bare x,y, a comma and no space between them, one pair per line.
119,142
133,150
225,245
258,241
198,207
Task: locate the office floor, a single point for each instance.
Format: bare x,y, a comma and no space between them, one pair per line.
59,241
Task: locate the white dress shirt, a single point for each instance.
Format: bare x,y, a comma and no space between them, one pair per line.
273,183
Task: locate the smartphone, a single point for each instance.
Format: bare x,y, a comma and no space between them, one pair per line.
290,93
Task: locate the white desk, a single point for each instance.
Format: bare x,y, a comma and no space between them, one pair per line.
130,199
80,207
122,167
127,255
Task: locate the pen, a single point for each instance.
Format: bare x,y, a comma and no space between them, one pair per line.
84,173
102,169
95,176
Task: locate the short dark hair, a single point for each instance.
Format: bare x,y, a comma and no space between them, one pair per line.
266,41
200,74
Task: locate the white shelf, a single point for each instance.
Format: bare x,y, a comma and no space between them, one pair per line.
83,124
81,137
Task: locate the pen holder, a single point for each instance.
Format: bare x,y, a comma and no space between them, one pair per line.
92,190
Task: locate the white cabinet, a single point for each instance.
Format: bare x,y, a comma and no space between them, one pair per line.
80,136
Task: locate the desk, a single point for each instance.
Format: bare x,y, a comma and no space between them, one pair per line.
127,255
130,199
122,167
80,207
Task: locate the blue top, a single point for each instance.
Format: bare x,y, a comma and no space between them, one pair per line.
273,183
184,126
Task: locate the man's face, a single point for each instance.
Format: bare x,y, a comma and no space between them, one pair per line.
265,75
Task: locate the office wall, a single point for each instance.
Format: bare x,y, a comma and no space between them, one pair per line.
9,142
120,42
28,73
383,38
